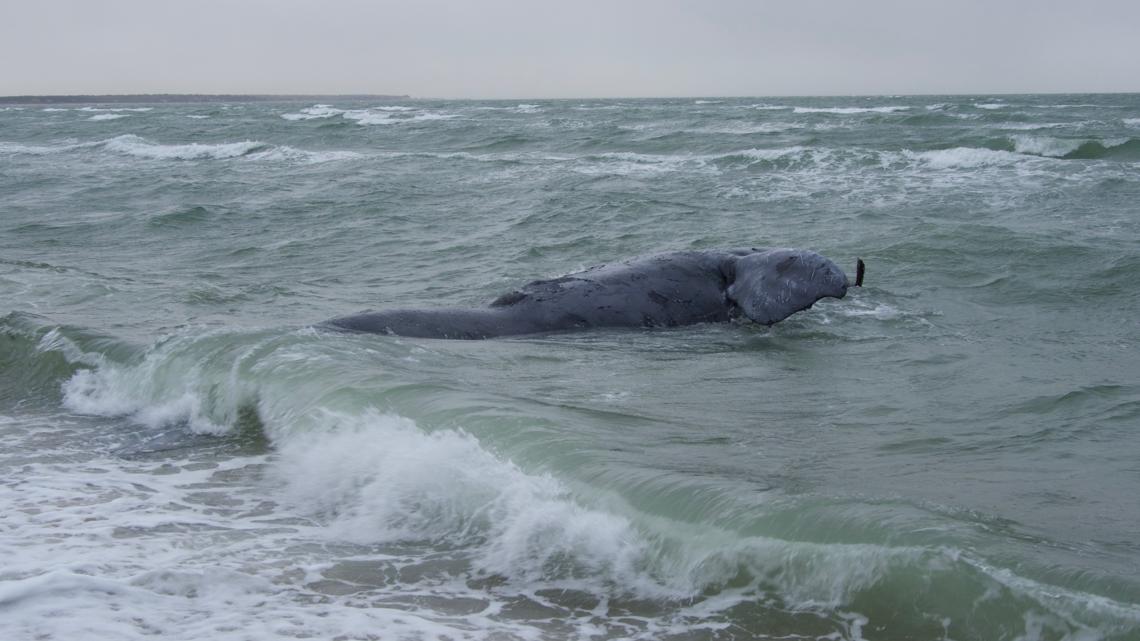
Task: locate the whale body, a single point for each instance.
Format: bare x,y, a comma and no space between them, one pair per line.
660,290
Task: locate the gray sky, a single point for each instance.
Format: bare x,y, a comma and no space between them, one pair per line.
572,48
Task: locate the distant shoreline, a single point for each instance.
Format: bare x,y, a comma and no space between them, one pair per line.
151,98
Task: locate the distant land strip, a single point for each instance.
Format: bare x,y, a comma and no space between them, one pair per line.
149,98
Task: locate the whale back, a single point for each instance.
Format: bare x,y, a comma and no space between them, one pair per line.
660,290
771,285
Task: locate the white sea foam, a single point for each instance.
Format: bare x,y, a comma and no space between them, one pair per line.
744,128
773,154
314,112
197,116
133,145
136,146
115,109
382,118
990,105
850,110
370,117
1132,122
1044,145
382,115
286,153
521,108
107,117
381,479
964,157
637,164
102,392
1033,126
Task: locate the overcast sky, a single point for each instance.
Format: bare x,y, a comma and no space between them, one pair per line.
570,48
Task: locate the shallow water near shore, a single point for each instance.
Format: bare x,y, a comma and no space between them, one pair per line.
948,453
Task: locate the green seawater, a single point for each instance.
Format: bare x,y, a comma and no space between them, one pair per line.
952,452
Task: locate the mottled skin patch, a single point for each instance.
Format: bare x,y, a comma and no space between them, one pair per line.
660,290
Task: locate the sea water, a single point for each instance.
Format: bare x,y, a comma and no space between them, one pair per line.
951,452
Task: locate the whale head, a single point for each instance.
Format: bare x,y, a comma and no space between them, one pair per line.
771,285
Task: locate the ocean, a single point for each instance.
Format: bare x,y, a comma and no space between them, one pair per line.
952,452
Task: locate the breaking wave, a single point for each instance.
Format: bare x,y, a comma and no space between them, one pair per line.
1070,149
139,147
384,115
132,145
850,110
368,476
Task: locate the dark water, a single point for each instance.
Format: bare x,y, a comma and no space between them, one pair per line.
949,453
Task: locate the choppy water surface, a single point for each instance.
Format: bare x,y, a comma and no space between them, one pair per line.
949,453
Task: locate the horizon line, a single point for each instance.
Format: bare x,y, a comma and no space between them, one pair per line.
175,96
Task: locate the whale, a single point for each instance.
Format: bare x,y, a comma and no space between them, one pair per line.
669,289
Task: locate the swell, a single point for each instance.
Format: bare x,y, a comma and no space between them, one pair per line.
1097,150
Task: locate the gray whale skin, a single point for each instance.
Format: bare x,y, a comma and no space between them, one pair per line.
659,290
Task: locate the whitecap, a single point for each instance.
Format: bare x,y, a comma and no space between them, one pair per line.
431,116
636,164
748,128
850,110
383,115
115,109
372,118
771,154
1030,126
964,157
314,112
133,145
1044,145
99,117
990,105
292,154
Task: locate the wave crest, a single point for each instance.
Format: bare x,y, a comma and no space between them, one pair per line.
850,110
139,147
383,115
133,145
1081,149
